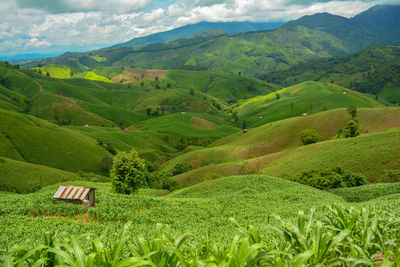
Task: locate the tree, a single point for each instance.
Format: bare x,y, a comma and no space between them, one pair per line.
278,96
181,168
310,136
148,111
106,163
128,172
352,110
244,125
352,129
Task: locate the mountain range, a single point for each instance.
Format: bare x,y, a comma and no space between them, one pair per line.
317,36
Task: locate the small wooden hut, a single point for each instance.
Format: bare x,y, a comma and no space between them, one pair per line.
76,195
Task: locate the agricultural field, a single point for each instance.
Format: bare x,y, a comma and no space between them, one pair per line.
217,148
212,203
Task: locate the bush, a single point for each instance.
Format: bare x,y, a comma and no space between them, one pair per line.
181,168
352,129
310,136
329,178
128,172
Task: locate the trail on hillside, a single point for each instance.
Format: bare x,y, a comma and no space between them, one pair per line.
40,86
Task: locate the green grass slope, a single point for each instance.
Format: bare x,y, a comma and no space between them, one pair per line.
373,155
226,87
22,177
374,70
305,98
202,210
285,134
33,140
190,124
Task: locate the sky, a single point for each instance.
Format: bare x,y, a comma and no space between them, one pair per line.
55,26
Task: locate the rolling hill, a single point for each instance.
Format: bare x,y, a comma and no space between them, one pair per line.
374,155
300,99
283,135
374,70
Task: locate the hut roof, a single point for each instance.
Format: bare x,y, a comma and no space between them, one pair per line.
72,192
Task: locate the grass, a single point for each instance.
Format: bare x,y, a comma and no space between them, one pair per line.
372,155
93,76
47,144
189,124
22,177
203,210
305,98
285,134
367,192
55,71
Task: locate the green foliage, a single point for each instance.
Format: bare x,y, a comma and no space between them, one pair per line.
352,110
128,172
352,129
106,163
329,178
343,236
181,168
310,136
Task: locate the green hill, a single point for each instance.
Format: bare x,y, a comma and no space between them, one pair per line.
373,155
285,134
374,70
22,177
29,139
190,125
301,99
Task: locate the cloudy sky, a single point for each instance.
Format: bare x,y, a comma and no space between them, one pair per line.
54,26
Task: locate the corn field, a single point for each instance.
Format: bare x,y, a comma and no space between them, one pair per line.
342,237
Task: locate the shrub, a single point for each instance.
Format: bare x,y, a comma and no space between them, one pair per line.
128,172
310,136
181,168
329,178
352,129
352,110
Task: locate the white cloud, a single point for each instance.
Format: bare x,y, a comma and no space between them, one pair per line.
36,43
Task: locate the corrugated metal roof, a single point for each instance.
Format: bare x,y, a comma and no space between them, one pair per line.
72,192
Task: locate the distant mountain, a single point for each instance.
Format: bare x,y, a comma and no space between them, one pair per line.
318,36
377,25
192,29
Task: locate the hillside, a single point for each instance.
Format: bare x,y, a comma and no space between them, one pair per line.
373,71
374,155
47,144
31,177
285,134
310,37
211,202
191,125
300,99
193,29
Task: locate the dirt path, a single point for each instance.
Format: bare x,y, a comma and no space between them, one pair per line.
40,86
34,123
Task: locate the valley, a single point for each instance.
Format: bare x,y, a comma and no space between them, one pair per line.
233,140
